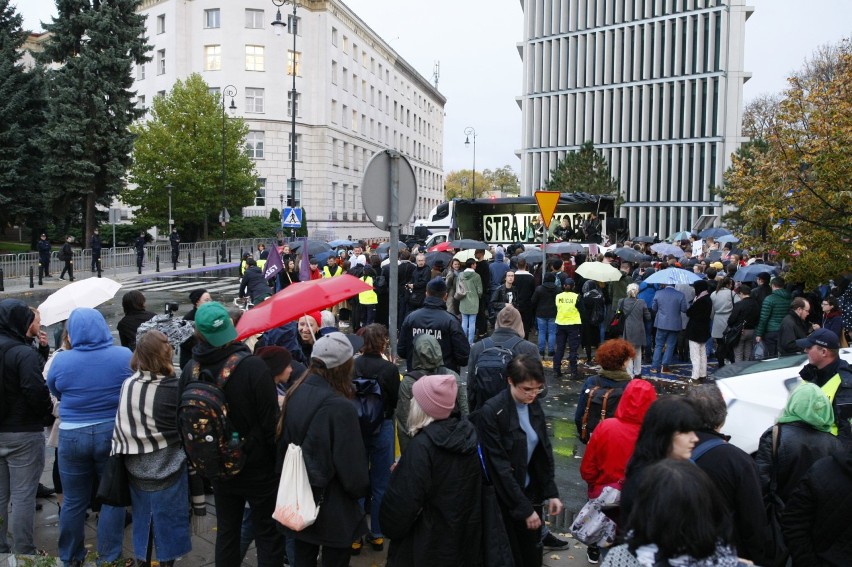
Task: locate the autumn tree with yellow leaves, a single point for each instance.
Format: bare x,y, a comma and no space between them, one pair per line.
792,187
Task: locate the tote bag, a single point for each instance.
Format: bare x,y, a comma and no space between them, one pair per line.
294,506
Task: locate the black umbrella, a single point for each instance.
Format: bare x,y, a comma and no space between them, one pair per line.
469,244
648,239
314,247
532,256
432,257
630,255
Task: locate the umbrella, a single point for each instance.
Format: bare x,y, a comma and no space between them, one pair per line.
727,238
176,329
714,232
682,235
89,292
564,248
665,249
314,247
297,299
468,244
749,273
672,276
432,257
599,272
648,239
444,246
713,255
344,243
630,255
533,256
465,254
383,248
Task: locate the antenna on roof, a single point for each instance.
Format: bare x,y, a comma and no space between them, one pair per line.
436,73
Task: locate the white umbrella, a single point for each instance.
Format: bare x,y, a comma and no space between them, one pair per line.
599,272
463,255
89,292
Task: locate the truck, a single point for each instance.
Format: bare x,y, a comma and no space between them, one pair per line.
512,219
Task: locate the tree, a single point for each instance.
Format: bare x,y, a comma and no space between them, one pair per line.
87,141
584,170
794,196
181,144
459,184
21,119
502,179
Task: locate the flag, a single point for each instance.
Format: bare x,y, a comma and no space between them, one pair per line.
274,265
305,264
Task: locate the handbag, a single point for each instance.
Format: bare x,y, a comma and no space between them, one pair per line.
592,526
731,335
114,488
616,326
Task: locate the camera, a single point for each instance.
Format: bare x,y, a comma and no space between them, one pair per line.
170,307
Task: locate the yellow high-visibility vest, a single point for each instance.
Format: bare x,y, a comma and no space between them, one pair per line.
566,309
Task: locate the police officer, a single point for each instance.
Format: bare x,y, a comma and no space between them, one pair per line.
43,247
95,245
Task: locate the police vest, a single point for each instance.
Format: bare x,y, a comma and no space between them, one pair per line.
326,273
830,388
566,309
368,297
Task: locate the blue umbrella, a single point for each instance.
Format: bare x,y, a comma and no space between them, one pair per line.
682,235
714,232
672,276
749,273
665,249
344,243
727,238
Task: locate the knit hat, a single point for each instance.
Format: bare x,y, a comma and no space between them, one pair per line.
436,394
214,323
277,358
196,294
510,317
333,350
316,316
437,286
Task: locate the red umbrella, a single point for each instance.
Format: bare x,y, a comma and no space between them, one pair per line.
296,300
444,246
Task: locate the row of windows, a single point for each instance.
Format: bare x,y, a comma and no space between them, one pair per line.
552,17
256,139
284,195
254,19
655,50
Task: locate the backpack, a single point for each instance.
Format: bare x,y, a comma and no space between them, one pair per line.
380,284
370,405
601,402
3,397
593,301
489,373
461,290
212,444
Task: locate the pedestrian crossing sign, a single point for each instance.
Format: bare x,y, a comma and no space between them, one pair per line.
291,217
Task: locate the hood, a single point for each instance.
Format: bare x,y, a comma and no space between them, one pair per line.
88,330
638,397
208,355
468,274
427,353
549,286
808,403
453,435
15,319
783,294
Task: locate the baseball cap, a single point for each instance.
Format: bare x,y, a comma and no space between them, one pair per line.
355,340
214,324
333,350
821,337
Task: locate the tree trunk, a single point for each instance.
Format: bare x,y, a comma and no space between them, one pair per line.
89,224
205,228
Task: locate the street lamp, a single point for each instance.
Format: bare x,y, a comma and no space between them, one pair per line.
278,25
224,217
171,222
468,132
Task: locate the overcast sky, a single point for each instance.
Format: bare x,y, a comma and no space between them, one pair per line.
476,44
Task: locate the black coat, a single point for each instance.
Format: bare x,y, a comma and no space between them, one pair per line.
433,319
816,519
66,253
431,510
419,278
95,243
504,444
698,326
525,285
792,329
254,285
748,311
325,425
43,249
544,300
129,324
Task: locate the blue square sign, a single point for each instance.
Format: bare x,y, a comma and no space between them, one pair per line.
291,217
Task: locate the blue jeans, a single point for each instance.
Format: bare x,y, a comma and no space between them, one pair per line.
380,452
469,326
82,455
21,465
546,334
669,339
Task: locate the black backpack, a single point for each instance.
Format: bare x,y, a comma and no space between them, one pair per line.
593,301
370,405
212,444
601,402
3,397
489,373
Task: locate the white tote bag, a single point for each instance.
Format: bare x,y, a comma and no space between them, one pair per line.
294,506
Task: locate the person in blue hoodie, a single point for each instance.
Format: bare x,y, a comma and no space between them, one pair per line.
87,380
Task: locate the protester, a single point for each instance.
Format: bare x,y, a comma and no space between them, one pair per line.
525,286
636,313
135,313
698,330
469,304
505,294
746,312
613,356
773,309
723,299
452,280
543,303
667,306
308,328
794,326
832,315
434,491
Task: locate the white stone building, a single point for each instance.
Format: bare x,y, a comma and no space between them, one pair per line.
355,96
656,85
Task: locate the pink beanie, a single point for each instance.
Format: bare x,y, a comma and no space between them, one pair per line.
436,395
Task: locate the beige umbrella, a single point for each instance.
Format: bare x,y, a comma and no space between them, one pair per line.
599,272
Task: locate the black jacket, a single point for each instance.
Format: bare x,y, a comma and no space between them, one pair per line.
253,411
735,475
433,318
419,278
43,249
254,285
792,329
544,300
325,425
698,326
842,402
95,243
816,522
139,244
760,293
431,510
129,324
504,445
748,311
386,374
66,253
25,396
525,285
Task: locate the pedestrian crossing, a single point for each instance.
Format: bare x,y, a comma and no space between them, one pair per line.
215,285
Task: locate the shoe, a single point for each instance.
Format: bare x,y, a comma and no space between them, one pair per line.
377,543
356,547
593,555
72,279
44,492
550,541
38,506
61,278
666,369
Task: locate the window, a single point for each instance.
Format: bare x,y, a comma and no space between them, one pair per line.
161,23
334,72
290,103
213,91
212,18
254,19
334,112
212,57
345,79
161,62
254,145
294,58
294,24
296,148
334,37
140,72
254,58
260,196
345,44
254,100
298,202
140,102
161,93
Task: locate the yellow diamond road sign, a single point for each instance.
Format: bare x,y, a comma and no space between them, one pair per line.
547,201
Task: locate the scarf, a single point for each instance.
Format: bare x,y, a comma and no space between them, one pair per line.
146,420
617,375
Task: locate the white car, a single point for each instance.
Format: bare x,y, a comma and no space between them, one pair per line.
756,392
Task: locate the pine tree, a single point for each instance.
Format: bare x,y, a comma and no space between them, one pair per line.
87,141
584,170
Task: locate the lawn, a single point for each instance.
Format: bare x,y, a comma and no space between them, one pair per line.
14,247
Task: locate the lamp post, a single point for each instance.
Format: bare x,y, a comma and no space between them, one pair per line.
224,217
171,222
469,132
278,25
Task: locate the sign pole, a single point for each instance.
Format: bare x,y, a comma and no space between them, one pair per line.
393,225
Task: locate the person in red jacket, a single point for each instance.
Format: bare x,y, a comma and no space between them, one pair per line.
612,442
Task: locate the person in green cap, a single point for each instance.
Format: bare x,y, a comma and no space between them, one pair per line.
801,437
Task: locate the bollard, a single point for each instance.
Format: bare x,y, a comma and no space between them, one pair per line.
189,259
32,284
174,263
139,269
204,258
229,255
99,267
157,263
40,274
2,286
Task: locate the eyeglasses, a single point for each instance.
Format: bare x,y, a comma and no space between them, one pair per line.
530,391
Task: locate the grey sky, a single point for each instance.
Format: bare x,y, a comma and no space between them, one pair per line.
475,42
